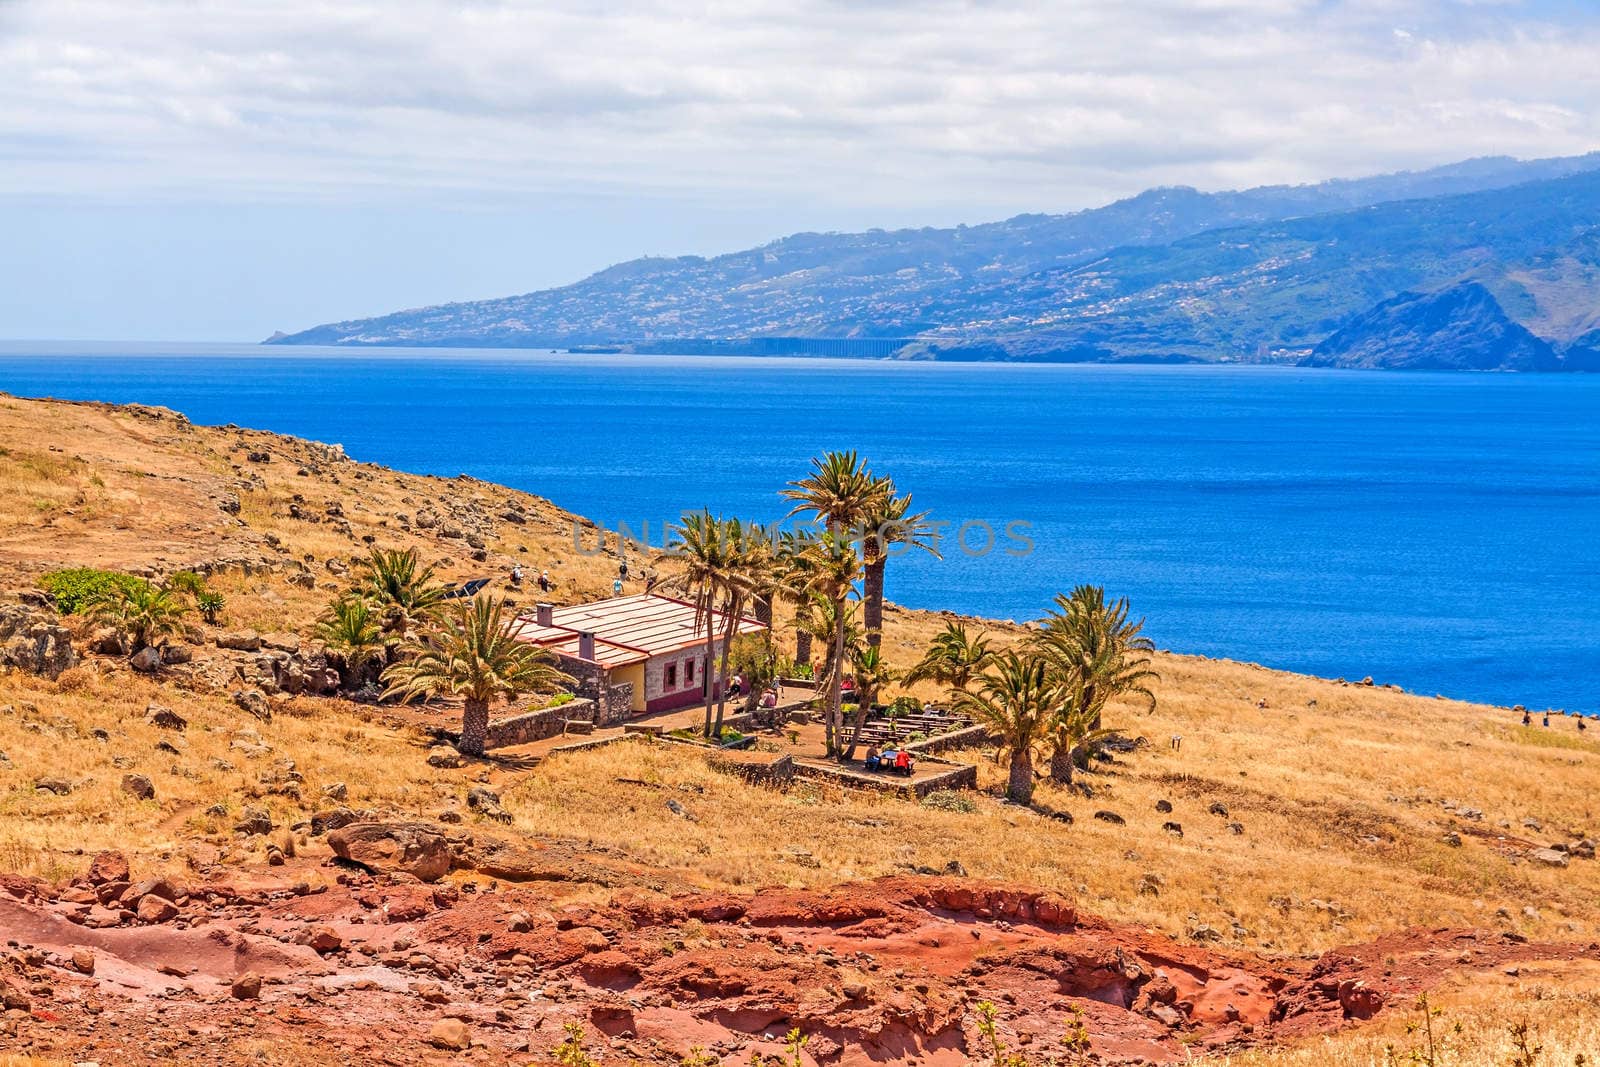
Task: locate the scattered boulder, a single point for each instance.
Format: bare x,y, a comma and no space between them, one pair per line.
35,642
336,791
59,786
1452,839
253,701
108,867
1173,828
486,802
451,1034
1548,857
394,847
83,961
445,757
154,908
239,640
325,939
255,821
147,660
1164,807
1359,1000
1218,808
246,987
164,717
173,655
138,786
1111,817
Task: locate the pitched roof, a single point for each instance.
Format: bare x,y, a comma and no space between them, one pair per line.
627,629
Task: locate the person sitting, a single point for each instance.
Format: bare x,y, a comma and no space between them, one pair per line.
902,762
769,699
874,758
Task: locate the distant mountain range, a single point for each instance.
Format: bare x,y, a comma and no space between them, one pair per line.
1490,264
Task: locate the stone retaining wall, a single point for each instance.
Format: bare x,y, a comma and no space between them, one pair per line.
959,776
965,738
538,725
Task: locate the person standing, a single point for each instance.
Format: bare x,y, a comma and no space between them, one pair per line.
516,576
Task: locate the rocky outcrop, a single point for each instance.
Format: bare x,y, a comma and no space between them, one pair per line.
34,641
417,849
1459,328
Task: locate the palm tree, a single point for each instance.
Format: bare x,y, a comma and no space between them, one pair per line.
1099,654
351,632
701,542
840,491
404,594
1016,697
832,570
953,658
872,673
476,656
888,524
748,559
140,610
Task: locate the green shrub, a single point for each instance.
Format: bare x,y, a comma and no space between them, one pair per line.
905,705
191,582
210,604
729,734
950,800
78,587
559,699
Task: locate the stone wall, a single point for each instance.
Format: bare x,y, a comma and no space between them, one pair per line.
617,706
538,725
966,738
951,776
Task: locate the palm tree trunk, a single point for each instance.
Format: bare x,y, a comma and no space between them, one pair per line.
862,710
706,660
1061,764
722,678
474,727
836,688
872,599
802,646
1019,785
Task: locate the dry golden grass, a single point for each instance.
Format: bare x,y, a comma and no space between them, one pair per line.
1300,879
46,730
1558,1003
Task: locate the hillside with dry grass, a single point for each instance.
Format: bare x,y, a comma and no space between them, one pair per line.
1299,820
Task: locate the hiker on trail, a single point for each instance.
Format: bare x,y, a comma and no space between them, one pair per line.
616,590
1581,726
516,575
1527,718
1547,718
622,569
544,581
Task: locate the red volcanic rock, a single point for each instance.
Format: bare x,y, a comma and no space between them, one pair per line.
1359,1000
246,987
325,939
416,849
156,909
108,867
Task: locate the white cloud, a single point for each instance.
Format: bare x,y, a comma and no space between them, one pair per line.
993,105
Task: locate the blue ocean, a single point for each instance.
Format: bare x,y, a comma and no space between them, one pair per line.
1438,531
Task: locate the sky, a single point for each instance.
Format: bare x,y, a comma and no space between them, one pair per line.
211,171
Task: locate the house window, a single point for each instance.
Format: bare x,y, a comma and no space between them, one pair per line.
688,672
672,675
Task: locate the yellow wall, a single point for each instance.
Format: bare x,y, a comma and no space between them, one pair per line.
632,672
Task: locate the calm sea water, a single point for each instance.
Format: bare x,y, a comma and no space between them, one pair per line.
1438,531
